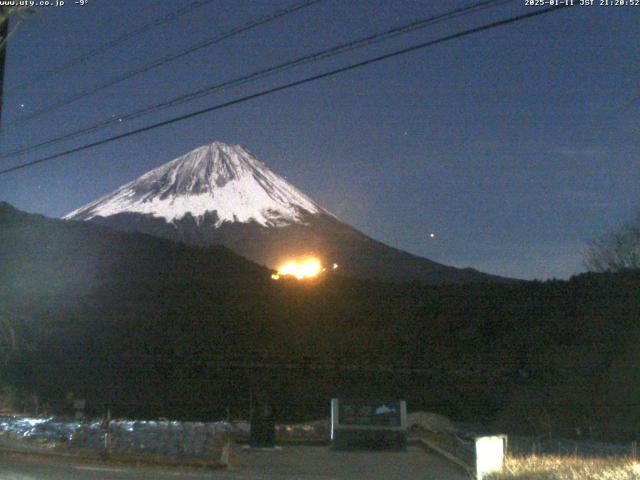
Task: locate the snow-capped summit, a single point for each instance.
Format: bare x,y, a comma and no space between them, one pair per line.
225,180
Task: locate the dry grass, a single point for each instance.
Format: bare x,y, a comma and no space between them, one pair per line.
568,468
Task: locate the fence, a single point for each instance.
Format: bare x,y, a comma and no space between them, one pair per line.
157,437
170,438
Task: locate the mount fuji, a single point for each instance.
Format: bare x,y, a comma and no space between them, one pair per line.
222,194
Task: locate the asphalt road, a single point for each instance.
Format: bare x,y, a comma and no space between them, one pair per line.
286,463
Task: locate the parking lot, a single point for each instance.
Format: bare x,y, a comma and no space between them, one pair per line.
288,462
323,463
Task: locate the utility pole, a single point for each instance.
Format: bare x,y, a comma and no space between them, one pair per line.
5,12
4,32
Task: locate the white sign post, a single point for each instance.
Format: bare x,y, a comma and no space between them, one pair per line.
489,455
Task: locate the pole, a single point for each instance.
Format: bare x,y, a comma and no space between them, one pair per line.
106,427
4,31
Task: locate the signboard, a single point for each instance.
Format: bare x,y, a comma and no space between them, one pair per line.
368,423
373,413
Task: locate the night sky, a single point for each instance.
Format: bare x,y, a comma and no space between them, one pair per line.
514,146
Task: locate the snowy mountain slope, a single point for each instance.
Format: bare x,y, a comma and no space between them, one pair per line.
218,178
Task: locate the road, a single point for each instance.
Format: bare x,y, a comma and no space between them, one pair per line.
286,463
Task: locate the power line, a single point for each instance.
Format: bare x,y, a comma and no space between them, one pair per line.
166,59
112,44
264,73
286,86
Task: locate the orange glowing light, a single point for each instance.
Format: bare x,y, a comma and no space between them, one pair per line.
301,269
